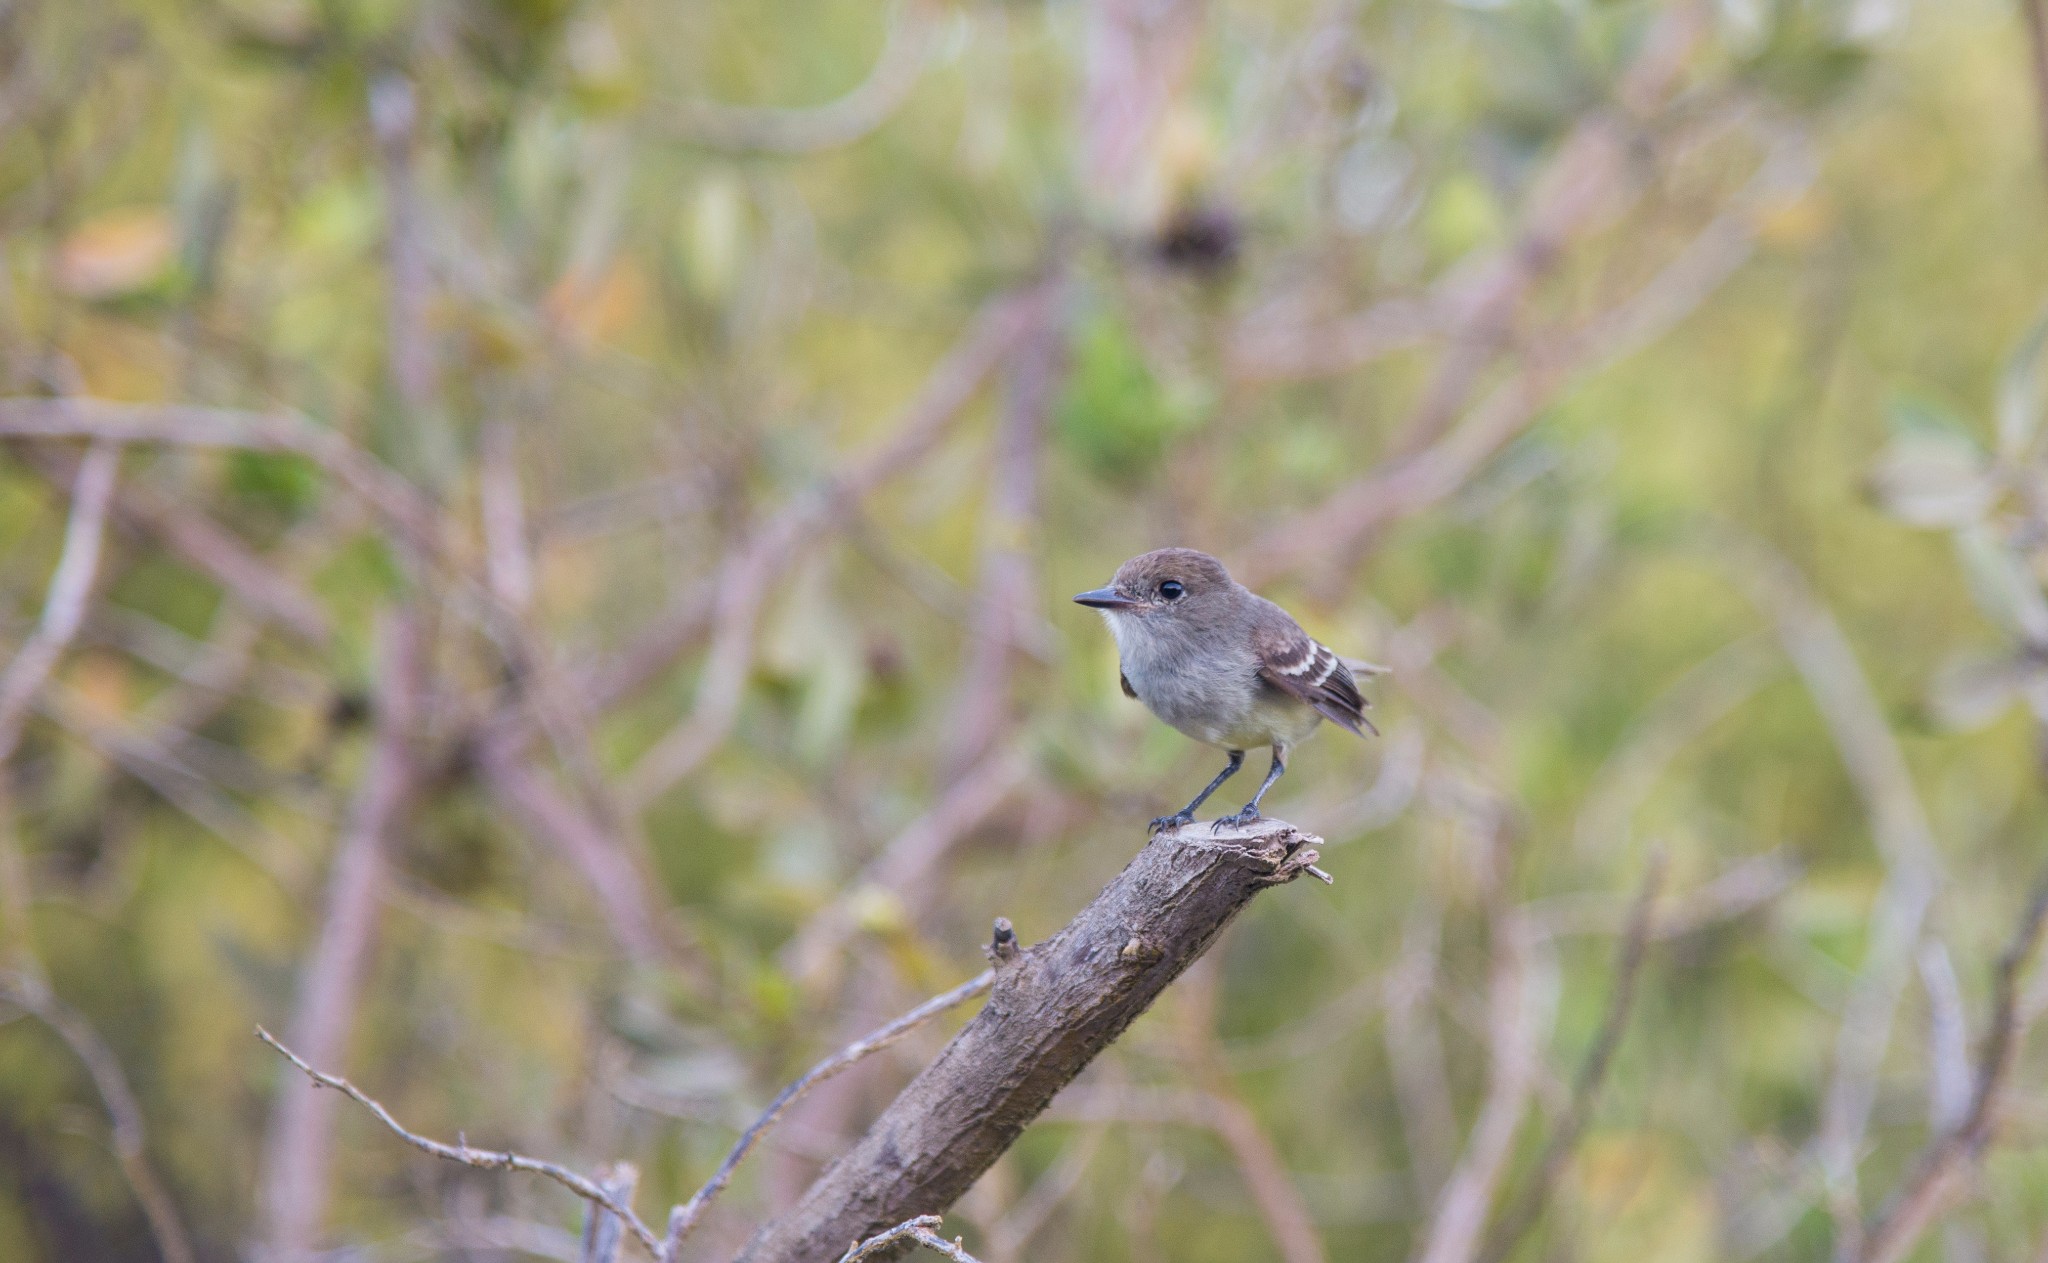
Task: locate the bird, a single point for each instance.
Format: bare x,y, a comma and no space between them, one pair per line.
1224,665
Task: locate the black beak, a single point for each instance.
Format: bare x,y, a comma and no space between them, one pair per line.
1106,599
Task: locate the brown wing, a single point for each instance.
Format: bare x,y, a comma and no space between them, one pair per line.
1125,680
1291,661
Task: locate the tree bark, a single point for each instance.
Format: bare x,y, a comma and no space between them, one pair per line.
1052,1009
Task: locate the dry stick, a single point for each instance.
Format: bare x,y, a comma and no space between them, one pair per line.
685,1217
485,1159
1628,966
744,582
294,1193
601,1228
1051,1010
1939,1175
923,1230
125,1114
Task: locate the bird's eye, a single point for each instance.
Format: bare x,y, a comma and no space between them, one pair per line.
1171,589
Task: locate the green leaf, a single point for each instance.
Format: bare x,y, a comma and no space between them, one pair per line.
2019,391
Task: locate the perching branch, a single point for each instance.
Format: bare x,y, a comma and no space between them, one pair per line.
1052,1009
685,1217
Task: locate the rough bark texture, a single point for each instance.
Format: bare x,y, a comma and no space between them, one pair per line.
1052,1009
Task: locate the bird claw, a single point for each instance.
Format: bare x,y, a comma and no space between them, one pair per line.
1175,821
1238,821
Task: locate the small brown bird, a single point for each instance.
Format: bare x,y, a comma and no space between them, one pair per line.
1224,665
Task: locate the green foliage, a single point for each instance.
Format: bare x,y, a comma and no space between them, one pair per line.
1115,415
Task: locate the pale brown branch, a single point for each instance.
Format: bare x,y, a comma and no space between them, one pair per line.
685,1217
485,1159
31,993
1870,752
1939,1176
206,544
906,864
1052,1009
190,425
628,894
1514,1033
70,588
294,1193
741,590
769,129
1523,1213
923,1230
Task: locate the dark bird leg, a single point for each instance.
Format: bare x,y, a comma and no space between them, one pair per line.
1251,809
1187,813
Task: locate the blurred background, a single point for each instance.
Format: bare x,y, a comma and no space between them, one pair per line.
535,539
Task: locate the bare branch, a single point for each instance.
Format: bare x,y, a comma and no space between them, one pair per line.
923,1230
32,994
206,544
1905,842
685,1217
601,1228
376,483
1514,1033
1939,1176
1564,1138
1050,1012
70,587
906,864
485,1159
294,1193
743,585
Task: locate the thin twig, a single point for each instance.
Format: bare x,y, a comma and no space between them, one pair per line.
744,583
1939,1176
70,587
484,1159
684,1217
1564,1138
32,994
923,1230
294,1193
1514,1033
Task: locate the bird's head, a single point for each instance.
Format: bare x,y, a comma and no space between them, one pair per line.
1167,583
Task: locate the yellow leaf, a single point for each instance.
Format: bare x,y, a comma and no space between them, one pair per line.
592,309
115,253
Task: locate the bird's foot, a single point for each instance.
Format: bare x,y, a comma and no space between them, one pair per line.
1175,821
1238,821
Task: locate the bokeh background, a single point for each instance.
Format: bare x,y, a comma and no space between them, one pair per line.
535,539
